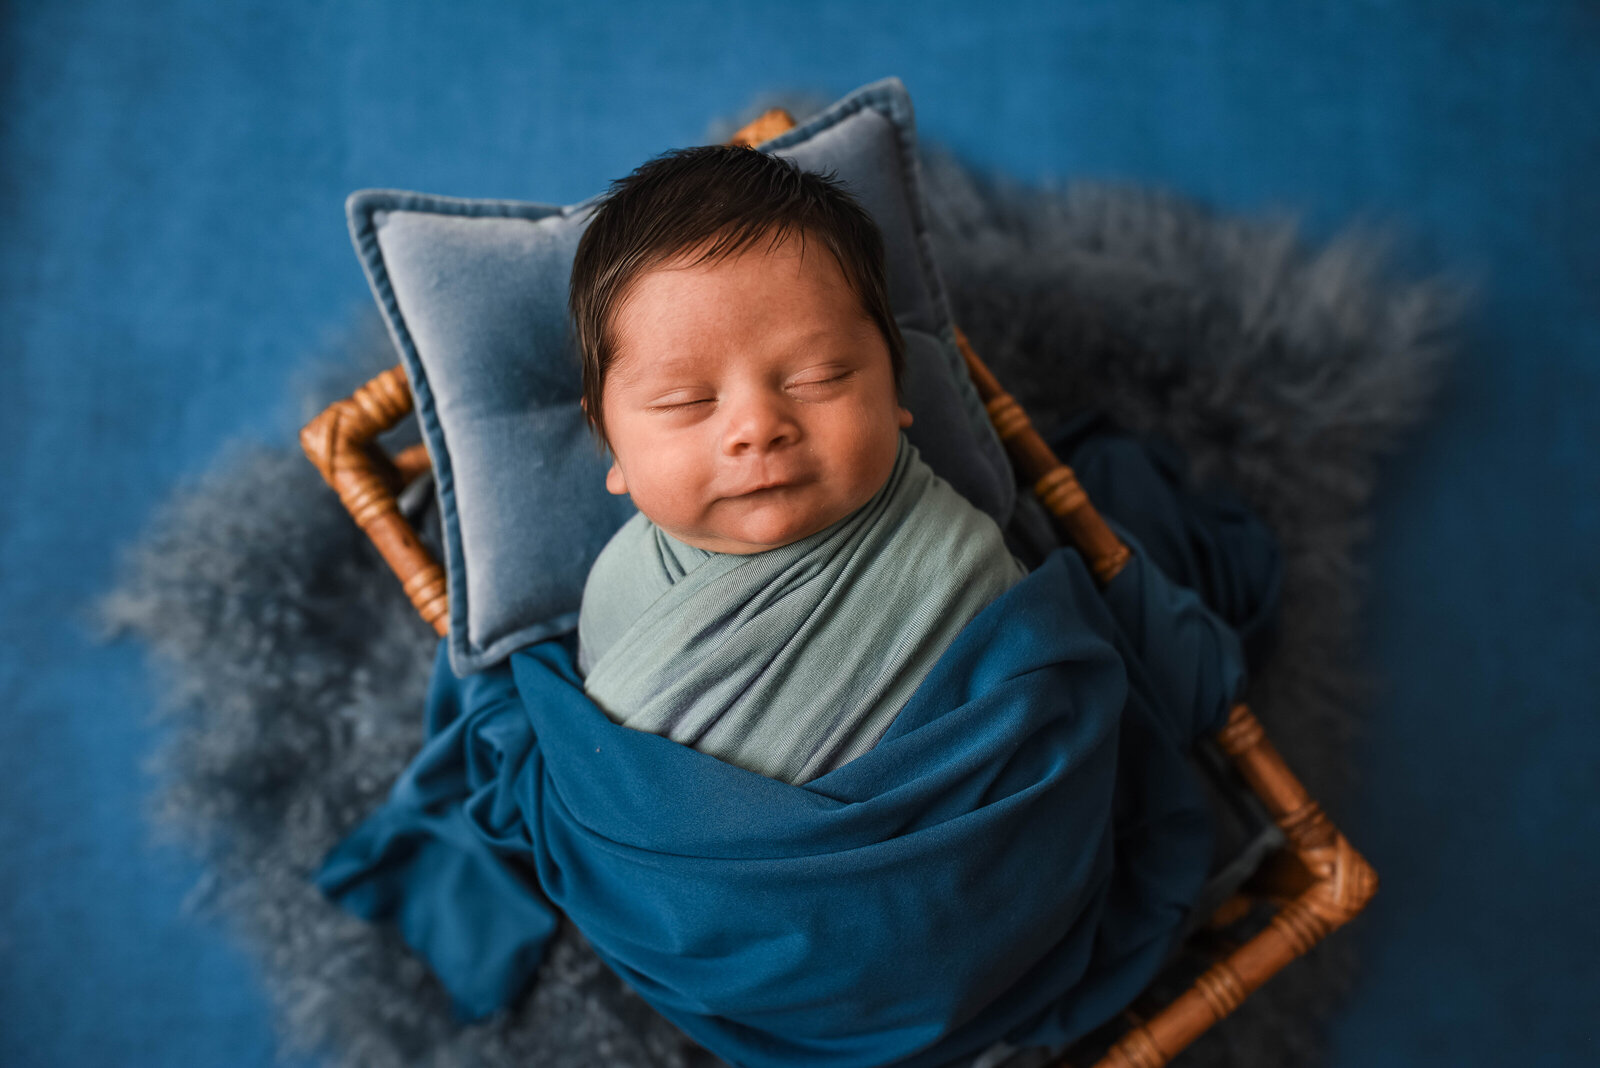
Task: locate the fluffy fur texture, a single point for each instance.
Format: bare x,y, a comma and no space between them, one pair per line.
294,669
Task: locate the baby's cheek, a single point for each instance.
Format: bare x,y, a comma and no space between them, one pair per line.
677,488
878,460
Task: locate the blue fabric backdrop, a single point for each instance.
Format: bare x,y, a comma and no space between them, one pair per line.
173,179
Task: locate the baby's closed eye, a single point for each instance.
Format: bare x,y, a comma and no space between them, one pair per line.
680,399
821,377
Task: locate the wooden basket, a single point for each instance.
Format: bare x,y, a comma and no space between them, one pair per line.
1315,884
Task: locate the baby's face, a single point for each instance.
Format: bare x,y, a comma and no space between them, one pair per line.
751,402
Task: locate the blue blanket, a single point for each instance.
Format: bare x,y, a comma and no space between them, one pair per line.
1014,859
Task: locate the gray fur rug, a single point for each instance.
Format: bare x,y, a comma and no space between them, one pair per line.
293,669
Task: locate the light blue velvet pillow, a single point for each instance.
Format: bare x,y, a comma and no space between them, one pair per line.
475,295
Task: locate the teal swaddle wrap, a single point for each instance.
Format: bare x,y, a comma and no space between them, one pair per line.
793,661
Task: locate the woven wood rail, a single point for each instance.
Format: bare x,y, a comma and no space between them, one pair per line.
1316,884
342,443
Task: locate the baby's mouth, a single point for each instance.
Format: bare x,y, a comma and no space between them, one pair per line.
763,490
767,486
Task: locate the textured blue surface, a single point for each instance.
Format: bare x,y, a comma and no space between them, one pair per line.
173,248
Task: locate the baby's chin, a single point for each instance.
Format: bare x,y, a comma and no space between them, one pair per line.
760,532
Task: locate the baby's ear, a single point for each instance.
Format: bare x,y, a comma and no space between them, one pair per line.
615,482
904,417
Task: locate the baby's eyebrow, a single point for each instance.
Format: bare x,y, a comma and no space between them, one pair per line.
829,335
653,370
810,336
634,371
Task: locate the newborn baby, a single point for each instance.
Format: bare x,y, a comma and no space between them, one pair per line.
795,569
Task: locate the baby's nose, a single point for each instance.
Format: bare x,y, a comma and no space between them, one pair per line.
759,425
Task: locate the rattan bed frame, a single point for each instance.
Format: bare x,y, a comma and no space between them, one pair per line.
1315,884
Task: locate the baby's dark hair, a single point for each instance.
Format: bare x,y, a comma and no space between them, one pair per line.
734,195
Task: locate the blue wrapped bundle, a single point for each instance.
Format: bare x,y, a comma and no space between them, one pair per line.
1014,859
